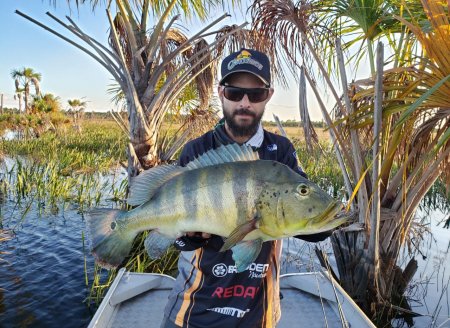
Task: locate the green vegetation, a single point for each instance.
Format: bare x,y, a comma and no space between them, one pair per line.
58,169
61,168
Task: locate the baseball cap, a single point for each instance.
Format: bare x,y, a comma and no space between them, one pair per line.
247,60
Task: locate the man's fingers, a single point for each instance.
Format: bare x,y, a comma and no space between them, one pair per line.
198,234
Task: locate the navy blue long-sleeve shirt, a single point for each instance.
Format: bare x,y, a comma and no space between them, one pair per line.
209,292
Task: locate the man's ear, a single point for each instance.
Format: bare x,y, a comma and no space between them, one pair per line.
270,94
220,91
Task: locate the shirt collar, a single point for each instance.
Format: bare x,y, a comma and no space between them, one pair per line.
257,139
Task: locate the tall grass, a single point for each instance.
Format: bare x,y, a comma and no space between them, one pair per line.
100,146
321,166
55,169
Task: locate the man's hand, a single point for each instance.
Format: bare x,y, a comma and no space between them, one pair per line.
203,235
192,240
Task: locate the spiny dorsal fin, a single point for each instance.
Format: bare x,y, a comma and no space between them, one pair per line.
224,154
145,185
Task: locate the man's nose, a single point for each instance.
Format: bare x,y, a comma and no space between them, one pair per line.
245,102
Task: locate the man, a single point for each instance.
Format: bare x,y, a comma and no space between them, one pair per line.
208,291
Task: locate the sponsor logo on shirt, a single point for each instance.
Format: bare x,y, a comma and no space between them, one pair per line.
236,291
231,311
220,270
272,147
256,270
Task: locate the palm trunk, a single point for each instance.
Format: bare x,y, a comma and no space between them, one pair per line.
20,102
26,101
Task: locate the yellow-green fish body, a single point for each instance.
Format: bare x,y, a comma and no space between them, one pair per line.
227,192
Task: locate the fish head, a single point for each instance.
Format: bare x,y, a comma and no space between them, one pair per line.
303,208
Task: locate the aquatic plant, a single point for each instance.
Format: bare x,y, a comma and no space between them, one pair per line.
66,168
4,237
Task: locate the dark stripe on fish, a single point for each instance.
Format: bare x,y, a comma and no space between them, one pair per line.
189,198
240,194
215,192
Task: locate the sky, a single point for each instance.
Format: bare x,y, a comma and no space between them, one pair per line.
69,73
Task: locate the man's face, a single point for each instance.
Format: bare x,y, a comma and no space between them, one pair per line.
242,116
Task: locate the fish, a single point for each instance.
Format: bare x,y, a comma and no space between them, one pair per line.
228,191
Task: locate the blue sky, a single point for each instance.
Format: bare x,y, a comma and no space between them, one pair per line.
68,72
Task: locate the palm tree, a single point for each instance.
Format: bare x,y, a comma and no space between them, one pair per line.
76,109
416,127
24,79
153,66
44,104
358,21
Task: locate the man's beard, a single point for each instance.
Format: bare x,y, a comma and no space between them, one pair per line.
242,130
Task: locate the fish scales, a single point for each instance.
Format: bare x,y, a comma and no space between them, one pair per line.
254,200
215,197
224,191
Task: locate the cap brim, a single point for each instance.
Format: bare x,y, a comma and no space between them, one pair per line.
244,71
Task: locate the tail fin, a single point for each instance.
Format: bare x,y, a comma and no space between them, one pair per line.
110,242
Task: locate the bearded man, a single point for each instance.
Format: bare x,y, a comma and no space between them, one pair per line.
209,292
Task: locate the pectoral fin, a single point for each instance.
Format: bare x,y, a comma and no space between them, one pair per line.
245,253
239,233
157,244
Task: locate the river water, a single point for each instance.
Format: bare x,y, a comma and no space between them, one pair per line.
42,280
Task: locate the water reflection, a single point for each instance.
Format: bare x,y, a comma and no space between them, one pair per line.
428,292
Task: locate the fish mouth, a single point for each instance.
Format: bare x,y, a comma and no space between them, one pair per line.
326,220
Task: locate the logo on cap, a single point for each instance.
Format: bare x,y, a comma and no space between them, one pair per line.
244,57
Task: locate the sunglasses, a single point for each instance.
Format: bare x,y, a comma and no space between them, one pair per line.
255,95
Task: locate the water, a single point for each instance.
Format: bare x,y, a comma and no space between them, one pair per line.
42,277
430,285
15,134
42,281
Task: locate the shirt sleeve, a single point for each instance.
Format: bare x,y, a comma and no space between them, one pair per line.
186,155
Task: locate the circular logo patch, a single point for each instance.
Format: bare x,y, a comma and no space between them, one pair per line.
219,270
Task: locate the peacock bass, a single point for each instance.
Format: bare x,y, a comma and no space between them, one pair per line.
228,192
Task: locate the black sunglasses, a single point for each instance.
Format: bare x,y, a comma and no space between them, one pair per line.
255,95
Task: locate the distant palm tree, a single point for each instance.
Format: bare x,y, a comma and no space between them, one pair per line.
47,109
76,109
24,79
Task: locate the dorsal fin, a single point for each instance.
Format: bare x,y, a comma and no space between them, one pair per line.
224,154
145,185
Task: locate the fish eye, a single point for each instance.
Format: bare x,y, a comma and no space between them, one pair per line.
303,189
